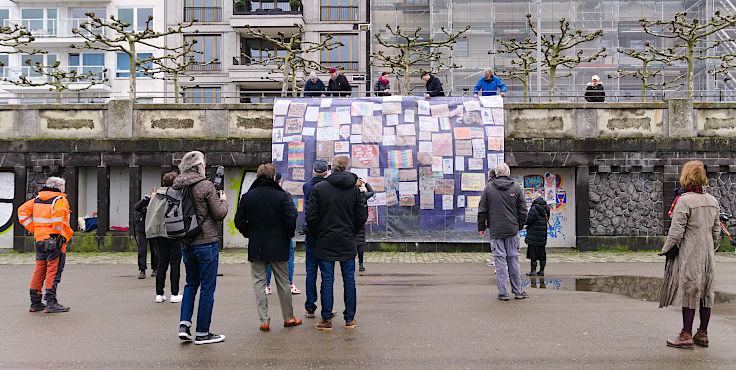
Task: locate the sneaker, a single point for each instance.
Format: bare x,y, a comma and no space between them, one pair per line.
292,322
38,306
268,289
176,298
521,295
540,273
294,290
361,268
209,338
153,273
54,306
351,324
142,274
184,333
324,325
265,327
309,314
503,297
530,273
160,298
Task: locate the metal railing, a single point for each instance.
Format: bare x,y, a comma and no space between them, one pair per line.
202,14
339,13
52,27
345,65
248,61
78,74
265,8
214,66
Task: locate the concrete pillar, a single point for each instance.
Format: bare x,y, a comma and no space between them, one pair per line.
71,175
134,195
103,203
585,123
25,123
582,201
19,232
217,122
119,119
681,119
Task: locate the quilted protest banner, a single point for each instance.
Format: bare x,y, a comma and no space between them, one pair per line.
427,159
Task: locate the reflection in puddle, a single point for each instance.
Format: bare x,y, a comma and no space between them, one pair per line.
644,288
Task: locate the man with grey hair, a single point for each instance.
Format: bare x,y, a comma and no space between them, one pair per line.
335,214
47,217
490,84
502,210
201,255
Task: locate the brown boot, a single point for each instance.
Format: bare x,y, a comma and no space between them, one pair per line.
325,325
701,338
684,340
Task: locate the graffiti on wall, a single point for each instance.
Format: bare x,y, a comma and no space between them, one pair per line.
555,186
7,192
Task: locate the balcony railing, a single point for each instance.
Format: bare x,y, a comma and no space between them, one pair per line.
265,8
244,61
214,66
202,14
51,27
14,73
339,13
345,65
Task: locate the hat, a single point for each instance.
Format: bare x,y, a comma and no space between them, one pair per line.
312,74
333,70
595,77
320,166
278,176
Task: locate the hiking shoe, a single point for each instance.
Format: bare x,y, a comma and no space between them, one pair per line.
265,327
361,268
176,298
503,297
142,274
268,289
184,333
521,295
36,306
324,325
294,290
209,338
160,298
684,340
54,306
309,314
351,324
701,338
292,322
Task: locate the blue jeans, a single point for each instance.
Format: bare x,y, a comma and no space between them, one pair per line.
348,282
291,266
200,262
312,265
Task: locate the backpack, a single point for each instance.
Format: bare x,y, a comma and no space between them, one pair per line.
180,217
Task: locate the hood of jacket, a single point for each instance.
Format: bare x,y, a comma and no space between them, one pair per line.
187,178
539,202
317,179
265,181
342,180
502,182
48,193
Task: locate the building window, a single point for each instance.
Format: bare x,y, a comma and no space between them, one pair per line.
123,65
339,10
344,57
202,95
45,60
135,17
208,49
258,96
84,63
4,17
257,50
40,22
79,17
203,10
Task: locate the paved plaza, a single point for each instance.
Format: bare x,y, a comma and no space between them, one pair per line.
410,315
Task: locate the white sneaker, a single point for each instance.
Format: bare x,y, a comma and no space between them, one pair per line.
176,298
160,298
294,290
268,289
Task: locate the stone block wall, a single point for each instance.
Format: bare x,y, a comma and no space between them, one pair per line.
625,204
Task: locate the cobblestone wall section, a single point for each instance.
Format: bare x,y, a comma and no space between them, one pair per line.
625,204
723,187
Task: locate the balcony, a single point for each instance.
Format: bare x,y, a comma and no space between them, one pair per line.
100,78
52,32
266,7
342,65
271,16
258,76
214,66
202,14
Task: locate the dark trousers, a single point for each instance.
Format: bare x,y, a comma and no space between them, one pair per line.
312,265
327,268
143,245
169,253
49,266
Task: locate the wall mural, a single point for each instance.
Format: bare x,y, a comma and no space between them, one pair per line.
7,193
557,186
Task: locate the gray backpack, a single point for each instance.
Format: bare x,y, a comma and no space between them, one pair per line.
180,216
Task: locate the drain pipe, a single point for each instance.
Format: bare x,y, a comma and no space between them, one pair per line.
368,85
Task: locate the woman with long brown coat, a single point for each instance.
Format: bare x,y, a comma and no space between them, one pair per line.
695,230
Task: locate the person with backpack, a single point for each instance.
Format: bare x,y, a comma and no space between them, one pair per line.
47,217
537,222
199,207
139,226
168,249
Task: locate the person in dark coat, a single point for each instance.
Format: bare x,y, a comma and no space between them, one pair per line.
366,192
433,84
267,217
314,86
338,85
335,214
382,86
319,174
537,222
594,92
139,224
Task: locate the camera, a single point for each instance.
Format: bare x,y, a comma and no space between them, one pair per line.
219,177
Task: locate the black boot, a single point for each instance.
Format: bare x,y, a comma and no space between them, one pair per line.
53,306
36,304
142,274
534,269
541,267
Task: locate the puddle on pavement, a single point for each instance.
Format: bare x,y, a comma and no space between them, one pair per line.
638,287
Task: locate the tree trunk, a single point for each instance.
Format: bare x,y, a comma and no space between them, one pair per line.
176,87
133,65
525,87
690,47
552,75
644,79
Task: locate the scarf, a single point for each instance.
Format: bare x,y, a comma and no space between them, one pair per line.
690,189
383,80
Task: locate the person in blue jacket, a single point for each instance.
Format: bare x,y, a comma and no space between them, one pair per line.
490,84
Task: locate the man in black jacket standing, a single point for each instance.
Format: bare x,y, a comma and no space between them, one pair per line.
267,217
338,85
502,210
434,85
335,214
319,172
594,93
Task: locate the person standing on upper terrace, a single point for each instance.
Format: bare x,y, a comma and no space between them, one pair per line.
594,92
489,84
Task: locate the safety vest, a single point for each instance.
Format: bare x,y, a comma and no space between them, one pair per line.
45,215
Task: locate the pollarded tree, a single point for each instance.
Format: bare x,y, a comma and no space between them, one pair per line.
690,39
557,49
292,55
523,61
122,38
407,50
14,36
648,55
58,79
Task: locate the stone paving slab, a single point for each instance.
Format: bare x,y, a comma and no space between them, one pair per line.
376,257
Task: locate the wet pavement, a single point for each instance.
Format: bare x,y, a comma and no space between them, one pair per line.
409,316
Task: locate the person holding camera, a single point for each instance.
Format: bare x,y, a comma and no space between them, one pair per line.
47,217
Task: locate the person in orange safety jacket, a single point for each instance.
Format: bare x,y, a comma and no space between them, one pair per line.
47,217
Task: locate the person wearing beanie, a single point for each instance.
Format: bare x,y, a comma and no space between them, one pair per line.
382,87
314,86
338,85
594,92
